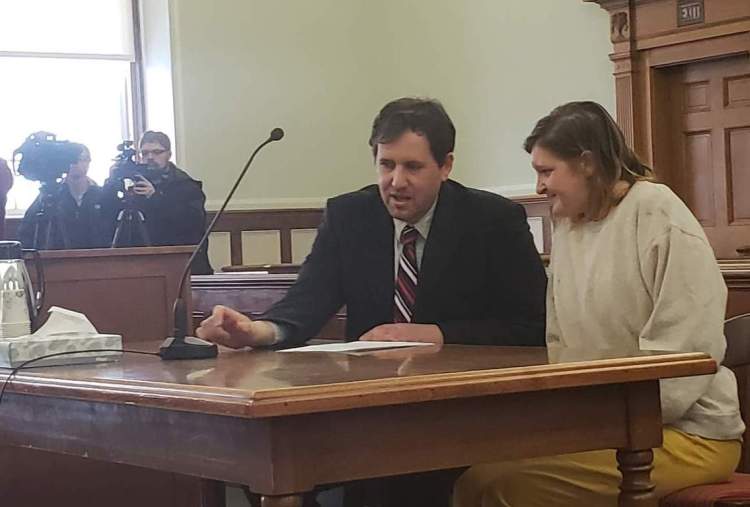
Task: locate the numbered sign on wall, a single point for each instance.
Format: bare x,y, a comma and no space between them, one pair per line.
690,12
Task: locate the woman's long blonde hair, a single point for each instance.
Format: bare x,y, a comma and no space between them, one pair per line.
575,128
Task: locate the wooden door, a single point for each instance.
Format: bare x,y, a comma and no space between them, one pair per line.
709,123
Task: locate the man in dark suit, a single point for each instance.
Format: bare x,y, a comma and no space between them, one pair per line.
417,257
480,279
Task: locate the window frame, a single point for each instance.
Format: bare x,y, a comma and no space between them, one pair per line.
136,103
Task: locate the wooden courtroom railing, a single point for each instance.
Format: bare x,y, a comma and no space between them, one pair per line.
252,293
286,221
282,220
737,277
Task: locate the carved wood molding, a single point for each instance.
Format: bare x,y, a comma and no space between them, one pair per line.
619,26
619,18
645,37
624,56
609,5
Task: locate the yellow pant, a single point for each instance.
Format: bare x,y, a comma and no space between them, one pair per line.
591,478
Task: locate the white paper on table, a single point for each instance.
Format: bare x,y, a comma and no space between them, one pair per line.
355,346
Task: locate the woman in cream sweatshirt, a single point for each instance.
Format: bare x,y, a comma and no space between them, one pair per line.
631,268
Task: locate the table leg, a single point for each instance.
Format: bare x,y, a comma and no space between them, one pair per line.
281,501
636,489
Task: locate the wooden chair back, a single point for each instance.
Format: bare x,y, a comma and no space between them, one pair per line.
737,332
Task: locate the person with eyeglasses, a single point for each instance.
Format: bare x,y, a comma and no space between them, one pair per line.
172,202
78,207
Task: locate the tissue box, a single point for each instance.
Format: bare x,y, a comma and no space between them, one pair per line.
15,351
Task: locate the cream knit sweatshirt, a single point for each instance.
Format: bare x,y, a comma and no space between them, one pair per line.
646,278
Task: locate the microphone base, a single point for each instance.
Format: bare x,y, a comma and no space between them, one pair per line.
188,348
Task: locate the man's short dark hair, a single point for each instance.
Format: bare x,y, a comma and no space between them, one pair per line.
80,149
425,117
154,136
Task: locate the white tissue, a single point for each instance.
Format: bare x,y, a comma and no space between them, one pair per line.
63,321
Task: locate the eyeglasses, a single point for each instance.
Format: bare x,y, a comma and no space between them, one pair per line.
156,153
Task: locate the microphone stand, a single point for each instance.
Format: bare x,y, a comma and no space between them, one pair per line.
181,346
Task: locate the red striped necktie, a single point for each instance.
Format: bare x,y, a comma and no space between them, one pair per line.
407,277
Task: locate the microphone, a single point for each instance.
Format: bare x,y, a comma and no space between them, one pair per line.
181,346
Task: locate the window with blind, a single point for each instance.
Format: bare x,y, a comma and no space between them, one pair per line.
66,67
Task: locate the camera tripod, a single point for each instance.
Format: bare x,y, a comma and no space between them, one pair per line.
131,226
49,227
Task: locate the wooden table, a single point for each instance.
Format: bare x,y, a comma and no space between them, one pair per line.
283,423
129,291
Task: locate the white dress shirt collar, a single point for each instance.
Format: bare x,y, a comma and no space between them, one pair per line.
422,226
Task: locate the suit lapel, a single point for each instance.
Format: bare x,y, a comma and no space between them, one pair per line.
378,254
444,239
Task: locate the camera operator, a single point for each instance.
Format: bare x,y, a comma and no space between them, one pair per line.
78,210
171,201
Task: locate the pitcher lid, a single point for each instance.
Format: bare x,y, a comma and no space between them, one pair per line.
10,250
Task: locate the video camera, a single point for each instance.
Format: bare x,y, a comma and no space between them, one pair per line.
130,227
126,170
44,158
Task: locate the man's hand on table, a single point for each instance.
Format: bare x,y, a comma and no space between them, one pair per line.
232,329
427,333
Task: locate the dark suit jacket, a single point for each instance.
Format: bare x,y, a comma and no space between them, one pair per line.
481,279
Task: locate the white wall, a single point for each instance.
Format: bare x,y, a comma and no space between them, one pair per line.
321,70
